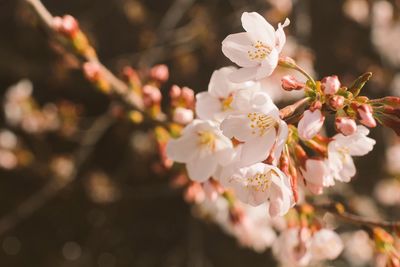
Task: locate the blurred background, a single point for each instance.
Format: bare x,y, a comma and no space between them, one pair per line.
120,208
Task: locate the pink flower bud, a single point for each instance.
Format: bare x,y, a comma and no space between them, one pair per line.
188,95
345,125
183,115
315,105
365,113
310,124
290,83
92,71
66,25
160,73
175,92
330,85
336,102
151,95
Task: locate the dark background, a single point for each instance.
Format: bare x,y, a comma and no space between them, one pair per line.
149,224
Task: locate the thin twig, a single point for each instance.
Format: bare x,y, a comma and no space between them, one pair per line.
339,211
38,199
118,86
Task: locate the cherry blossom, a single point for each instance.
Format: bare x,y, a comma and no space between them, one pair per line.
202,147
317,175
341,150
256,126
256,50
260,183
310,124
216,103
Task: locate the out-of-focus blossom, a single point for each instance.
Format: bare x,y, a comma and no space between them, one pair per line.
357,10
392,158
387,192
330,85
159,73
256,50
299,247
101,188
326,245
310,124
260,183
62,167
8,160
358,248
183,115
216,103
202,147
8,140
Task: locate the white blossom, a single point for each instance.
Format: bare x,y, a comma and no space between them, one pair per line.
256,50
202,147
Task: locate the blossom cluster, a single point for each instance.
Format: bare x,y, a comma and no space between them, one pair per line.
269,157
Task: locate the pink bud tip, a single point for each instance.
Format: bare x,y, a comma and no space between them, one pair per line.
330,85
290,83
91,71
188,95
152,95
160,73
365,114
336,102
175,92
66,25
346,126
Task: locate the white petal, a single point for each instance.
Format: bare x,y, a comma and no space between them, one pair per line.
310,124
201,169
257,149
237,126
236,47
207,106
268,65
280,35
182,149
220,86
258,28
244,74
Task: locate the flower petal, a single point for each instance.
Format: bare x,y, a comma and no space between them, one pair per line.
236,47
201,169
207,106
258,28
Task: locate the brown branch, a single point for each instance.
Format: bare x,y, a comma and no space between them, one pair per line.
118,86
338,210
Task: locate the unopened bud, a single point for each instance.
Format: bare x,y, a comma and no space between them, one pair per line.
188,95
151,95
315,105
66,25
92,71
345,125
290,83
336,102
365,113
330,85
183,115
159,73
175,92
287,62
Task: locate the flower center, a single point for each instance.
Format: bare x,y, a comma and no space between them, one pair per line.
260,51
343,151
226,103
260,123
259,181
207,140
